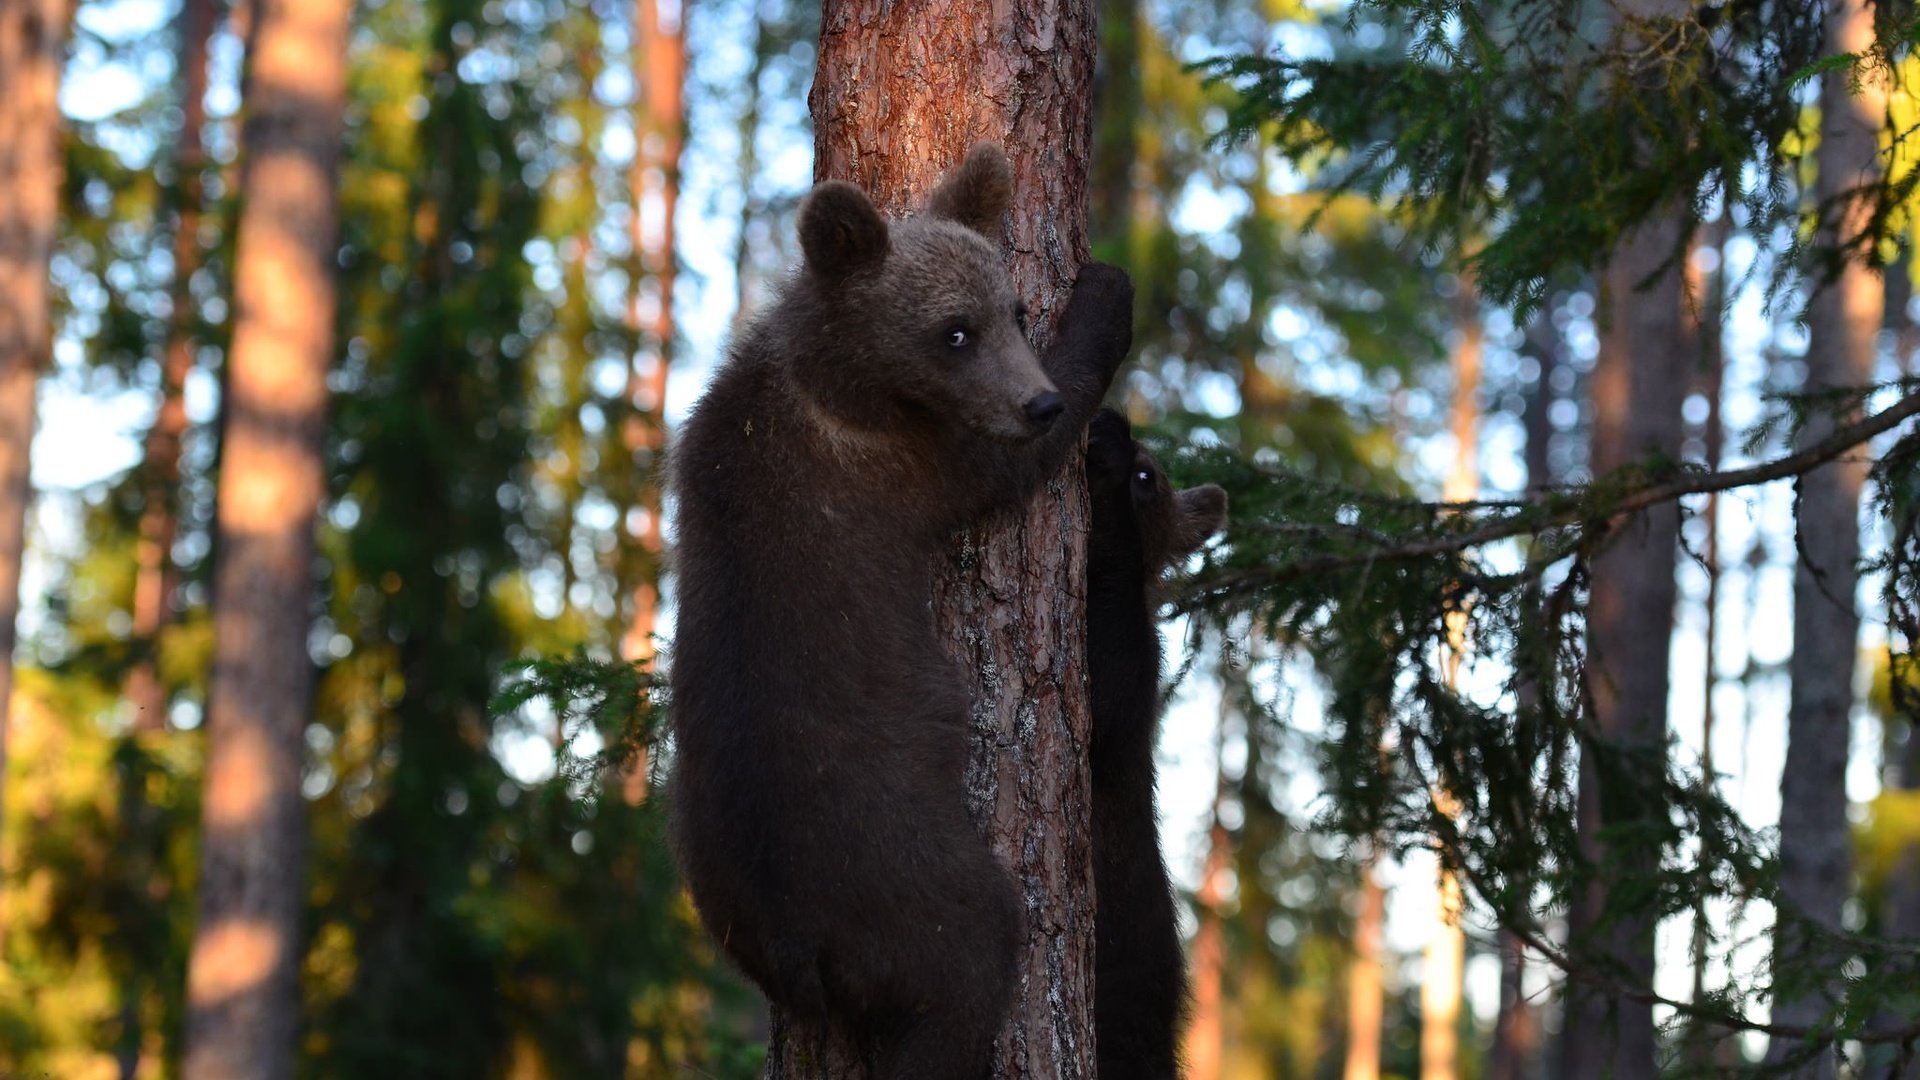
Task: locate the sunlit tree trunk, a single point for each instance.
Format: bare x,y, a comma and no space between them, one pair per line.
1843,321
155,578
1444,970
1366,981
660,57
33,36
1203,1046
242,985
899,93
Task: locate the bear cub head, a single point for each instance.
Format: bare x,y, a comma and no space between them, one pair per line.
921,315
1139,521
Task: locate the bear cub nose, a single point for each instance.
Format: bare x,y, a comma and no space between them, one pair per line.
1042,409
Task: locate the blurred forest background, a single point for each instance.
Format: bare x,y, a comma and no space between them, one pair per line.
550,213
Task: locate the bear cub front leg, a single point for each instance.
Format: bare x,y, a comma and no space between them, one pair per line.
1141,527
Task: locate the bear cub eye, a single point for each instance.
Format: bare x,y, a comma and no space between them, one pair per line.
959,338
1020,317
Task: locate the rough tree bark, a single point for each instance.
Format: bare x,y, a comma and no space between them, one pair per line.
155,577
1843,321
33,37
242,985
899,93
1639,384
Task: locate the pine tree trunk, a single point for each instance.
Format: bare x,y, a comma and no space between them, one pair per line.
155,578
1366,982
1639,383
1444,970
1516,1028
33,35
1203,1046
242,985
1842,323
660,56
899,93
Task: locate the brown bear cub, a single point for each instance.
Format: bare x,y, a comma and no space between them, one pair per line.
888,398
1141,527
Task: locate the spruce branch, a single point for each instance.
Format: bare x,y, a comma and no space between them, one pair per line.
1602,503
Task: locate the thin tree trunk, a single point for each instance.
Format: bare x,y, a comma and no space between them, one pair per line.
1639,384
1842,322
660,53
1444,970
899,93
242,986
1366,982
1516,1028
155,578
1203,1046
33,36
1702,1042
749,131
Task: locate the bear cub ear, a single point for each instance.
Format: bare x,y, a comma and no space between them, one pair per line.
840,231
1198,513
977,193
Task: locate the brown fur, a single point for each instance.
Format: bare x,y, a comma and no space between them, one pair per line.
1141,526
820,728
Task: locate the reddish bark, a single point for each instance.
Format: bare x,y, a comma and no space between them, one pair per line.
33,35
156,578
660,56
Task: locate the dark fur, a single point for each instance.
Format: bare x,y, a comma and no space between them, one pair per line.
1140,528
821,729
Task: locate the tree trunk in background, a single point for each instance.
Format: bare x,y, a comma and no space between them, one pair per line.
1444,970
899,94
1116,136
155,578
242,986
749,132
1639,384
33,36
1702,1040
1843,322
1203,1044
660,56
1366,982
1516,1028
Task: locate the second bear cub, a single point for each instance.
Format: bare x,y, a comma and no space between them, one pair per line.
1141,527
818,803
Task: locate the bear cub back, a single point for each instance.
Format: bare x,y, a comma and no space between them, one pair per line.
1141,527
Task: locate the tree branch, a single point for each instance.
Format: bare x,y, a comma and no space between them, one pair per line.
1668,490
